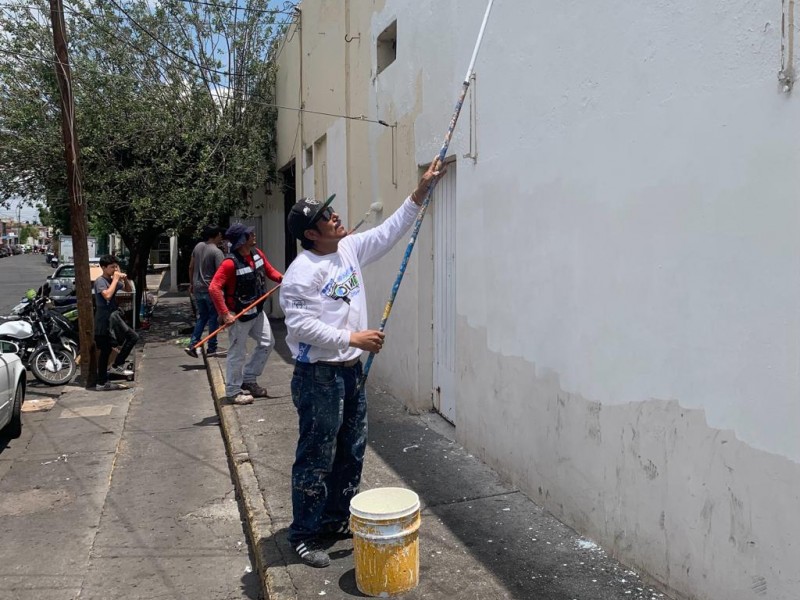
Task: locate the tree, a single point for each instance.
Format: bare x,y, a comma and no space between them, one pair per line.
173,111
28,231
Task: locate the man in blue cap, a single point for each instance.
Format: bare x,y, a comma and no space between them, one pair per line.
241,280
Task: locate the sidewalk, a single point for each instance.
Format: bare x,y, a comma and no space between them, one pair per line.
126,494
480,538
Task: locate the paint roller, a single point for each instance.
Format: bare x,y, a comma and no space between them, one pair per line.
374,208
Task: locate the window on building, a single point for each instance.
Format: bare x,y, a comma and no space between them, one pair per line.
387,46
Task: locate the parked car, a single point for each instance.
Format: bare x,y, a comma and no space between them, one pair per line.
4,251
12,389
62,282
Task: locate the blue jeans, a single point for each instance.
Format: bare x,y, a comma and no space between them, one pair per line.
330,451
206,315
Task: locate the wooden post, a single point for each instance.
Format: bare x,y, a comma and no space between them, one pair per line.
78,219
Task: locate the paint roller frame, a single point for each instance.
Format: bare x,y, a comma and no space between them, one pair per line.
374,209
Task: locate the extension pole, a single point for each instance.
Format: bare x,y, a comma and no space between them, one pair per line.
421,215
235,318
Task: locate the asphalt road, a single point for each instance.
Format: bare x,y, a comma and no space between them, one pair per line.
122,494
17,275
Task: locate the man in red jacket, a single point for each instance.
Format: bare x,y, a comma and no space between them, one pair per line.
240,280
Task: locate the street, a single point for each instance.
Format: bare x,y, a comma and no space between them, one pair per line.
17,275
120,494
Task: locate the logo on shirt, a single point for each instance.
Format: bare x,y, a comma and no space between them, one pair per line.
302,354
348,285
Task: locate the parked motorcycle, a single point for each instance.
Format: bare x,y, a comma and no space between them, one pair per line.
60,314
44,347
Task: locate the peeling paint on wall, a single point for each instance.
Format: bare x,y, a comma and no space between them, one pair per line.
693,506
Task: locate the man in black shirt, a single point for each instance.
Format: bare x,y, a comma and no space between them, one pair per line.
105,288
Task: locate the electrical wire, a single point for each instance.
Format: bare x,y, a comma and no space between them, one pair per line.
167,48
286,37
285,11
259,100
93,18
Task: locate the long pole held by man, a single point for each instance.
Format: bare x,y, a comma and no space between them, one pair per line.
323,298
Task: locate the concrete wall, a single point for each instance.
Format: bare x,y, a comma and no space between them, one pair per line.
269,235
627,262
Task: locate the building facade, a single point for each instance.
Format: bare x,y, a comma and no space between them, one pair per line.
603,299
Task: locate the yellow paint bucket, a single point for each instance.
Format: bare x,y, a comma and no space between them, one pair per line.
385,522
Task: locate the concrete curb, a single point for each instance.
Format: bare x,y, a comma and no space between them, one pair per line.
276,583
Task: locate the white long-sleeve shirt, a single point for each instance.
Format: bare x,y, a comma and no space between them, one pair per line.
323,297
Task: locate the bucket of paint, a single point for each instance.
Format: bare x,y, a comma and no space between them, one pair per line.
385,522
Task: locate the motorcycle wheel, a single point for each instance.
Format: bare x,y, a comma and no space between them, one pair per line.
53,374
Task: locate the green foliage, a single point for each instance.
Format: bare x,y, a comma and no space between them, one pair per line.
170,112
28,231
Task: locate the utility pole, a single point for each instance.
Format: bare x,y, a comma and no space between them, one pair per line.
78,219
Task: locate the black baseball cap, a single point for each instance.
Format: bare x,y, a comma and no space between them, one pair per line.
304,214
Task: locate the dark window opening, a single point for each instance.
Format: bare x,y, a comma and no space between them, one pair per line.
387,46
289,198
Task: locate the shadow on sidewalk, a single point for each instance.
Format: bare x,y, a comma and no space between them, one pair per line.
480,537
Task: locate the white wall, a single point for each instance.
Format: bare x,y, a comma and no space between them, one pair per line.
628,270
337,169
271,238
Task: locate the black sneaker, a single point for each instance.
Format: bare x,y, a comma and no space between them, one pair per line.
120,370
341,531
312,554
190,351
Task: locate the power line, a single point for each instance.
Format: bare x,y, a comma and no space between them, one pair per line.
92,18
285,11
235,90
286,36
158,41
67,10
253,100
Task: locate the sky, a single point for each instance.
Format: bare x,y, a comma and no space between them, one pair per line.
27,213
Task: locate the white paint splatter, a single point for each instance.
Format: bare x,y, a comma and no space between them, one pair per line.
586,545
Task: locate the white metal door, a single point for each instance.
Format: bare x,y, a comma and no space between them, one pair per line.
444,295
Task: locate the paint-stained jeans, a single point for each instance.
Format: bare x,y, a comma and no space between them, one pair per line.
236,371
330,450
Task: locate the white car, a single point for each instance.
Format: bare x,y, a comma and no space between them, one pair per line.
12,389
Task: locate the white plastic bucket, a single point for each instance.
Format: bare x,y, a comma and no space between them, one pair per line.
385,522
